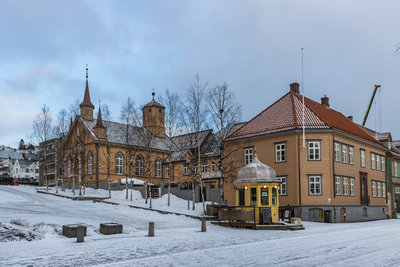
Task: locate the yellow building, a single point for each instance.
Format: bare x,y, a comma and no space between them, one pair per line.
256,188
335,168
96,150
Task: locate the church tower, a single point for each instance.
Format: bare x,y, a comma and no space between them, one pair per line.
86,106
153,118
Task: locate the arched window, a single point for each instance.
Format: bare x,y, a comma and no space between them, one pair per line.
139,165
166,171
69,167
90,163
158,167
119,163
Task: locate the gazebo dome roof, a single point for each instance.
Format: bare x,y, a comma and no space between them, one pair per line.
257,172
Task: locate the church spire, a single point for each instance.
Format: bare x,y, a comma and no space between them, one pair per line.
99,123
99,130
86,99
86,106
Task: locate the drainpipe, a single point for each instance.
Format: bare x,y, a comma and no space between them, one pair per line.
298,161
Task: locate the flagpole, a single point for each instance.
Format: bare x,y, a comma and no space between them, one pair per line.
302,87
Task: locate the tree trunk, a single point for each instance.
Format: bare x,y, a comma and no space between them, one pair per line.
80,176
193,193
169,190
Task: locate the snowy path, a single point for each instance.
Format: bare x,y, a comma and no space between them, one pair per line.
179,242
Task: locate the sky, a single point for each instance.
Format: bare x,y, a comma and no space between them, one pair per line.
254,46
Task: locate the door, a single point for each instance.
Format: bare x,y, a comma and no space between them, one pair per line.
364,189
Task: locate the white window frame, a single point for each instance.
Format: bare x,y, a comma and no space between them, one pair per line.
194,168
383,163
384,189
373,189
204,167
158,168
372,161
166,171
248,155
395,168
213,166
283,186
90,163
337,151
119,163
352,186
345,186
185,169
280,152
315,180
378,162
379,188
362,157
314,150
351,155
344,153
338,185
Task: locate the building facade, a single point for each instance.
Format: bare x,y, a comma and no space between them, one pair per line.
335,170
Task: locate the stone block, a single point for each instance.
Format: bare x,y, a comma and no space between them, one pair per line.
70,230
110,228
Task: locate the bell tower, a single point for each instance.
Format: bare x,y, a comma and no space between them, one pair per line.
153,117
86,106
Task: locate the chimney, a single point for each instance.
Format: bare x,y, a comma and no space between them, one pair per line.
350,118
294,87
325,101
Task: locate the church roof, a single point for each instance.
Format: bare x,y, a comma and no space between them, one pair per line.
286,114
153,103
116,133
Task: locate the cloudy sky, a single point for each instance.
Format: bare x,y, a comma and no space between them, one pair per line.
254,46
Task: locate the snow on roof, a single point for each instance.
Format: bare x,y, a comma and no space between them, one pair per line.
116,133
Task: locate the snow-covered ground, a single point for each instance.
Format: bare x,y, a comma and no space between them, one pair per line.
176,204
178,240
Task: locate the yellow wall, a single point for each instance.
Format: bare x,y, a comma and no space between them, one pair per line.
297,162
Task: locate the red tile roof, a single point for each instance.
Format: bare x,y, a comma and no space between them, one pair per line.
287,114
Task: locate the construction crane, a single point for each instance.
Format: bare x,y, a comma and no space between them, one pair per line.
370,104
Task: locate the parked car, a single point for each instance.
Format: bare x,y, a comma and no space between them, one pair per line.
14,181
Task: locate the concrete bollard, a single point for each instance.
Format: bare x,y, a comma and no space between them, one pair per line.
203,225
80,234
151,228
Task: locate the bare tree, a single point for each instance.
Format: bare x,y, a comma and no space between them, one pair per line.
195,119
128,114
74,108
224,113
173,110
62,126
42,125
106,112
